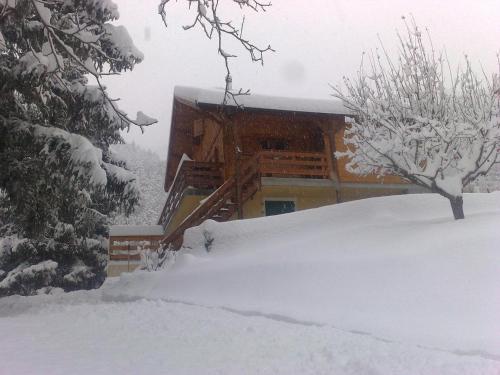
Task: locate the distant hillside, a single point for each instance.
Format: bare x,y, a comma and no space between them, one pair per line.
493,179
150,172
488,183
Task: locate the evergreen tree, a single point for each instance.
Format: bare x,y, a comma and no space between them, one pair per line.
58,179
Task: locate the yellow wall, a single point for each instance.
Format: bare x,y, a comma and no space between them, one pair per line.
187,205
304,196
351,194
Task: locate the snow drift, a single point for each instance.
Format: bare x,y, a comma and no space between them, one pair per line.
397,268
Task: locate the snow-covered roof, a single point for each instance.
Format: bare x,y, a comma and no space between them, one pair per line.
257,101
136,230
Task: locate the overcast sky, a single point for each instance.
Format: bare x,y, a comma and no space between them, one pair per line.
316,42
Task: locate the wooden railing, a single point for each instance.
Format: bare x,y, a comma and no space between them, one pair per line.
222,203
223,196
200,175
293,164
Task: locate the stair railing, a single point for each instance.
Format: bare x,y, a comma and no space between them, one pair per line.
225,195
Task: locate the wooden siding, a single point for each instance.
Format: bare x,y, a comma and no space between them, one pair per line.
181,138
210,147
302,134
346,176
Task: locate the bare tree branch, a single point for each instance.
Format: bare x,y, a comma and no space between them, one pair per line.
208,19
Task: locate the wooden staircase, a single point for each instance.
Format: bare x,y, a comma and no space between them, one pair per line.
222,204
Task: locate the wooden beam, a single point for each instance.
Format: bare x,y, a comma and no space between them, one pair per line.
329,154
332,134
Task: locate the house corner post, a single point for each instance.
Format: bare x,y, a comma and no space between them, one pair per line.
329,142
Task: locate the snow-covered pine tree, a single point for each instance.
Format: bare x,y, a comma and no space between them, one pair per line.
58,180
418,119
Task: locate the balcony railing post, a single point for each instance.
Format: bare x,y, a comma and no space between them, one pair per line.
128,256
238,184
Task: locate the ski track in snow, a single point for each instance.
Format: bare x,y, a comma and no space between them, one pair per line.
290,320
88,332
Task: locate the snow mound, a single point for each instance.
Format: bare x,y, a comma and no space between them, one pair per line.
396,268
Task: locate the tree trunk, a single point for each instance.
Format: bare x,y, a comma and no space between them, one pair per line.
457,206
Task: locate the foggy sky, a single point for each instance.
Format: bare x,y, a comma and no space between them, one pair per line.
317,42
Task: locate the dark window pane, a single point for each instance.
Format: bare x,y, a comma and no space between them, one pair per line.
279,207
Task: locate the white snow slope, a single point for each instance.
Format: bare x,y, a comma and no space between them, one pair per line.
381,286
150,172
488,183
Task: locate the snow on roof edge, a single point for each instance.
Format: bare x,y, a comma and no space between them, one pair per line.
258,101
136,230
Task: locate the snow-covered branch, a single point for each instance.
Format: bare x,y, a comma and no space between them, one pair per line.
413,119
113,45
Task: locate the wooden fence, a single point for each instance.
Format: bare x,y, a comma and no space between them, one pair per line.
127,248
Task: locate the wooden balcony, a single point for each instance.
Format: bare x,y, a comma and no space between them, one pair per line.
292,164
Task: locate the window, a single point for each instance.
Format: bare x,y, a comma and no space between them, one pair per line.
278,207
274,144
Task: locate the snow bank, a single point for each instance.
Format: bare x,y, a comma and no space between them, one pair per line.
381,286
397,268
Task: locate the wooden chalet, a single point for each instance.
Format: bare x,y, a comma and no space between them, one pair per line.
268,156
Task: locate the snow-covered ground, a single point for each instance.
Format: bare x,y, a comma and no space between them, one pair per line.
381,286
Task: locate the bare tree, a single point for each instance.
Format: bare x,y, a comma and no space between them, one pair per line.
416,118
207,18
